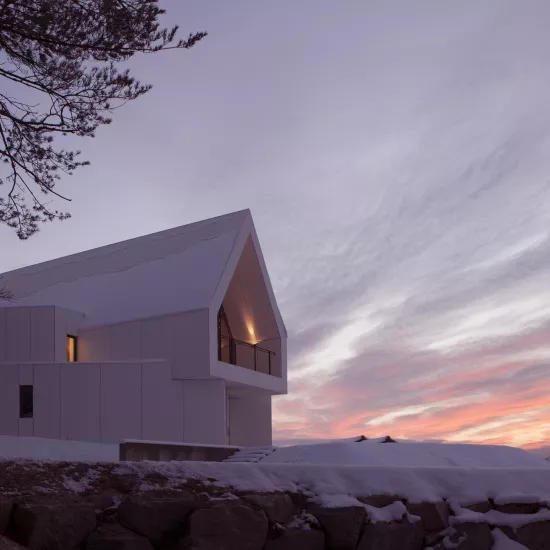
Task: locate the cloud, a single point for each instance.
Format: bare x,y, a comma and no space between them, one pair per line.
396,160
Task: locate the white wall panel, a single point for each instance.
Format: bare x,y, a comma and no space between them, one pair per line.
47,401
26,377
191,345
67,322
80,401
26,427
162,404
204,411
126,341
43,333
120,402
250,421
158,338
18,334
94,345
9,399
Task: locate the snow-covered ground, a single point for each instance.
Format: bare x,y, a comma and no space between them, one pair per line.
407,454
38,448
339,452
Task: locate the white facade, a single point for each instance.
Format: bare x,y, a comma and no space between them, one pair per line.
178,338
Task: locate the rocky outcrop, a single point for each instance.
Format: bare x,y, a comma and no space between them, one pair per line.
342,525
118,515
60,526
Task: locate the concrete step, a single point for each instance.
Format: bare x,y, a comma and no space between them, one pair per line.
250,454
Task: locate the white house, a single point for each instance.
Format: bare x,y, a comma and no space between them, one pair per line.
174,336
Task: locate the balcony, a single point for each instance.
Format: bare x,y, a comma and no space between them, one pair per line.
243,354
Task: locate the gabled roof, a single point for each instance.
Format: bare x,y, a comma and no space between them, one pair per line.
166,272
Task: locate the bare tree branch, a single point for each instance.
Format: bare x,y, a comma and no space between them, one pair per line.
5,294
65,52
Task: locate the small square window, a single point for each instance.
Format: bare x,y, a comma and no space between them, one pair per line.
71,349
26,402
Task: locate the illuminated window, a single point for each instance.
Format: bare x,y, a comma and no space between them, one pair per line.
26,402
71,349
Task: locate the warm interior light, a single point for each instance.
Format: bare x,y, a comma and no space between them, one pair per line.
251,332
71,349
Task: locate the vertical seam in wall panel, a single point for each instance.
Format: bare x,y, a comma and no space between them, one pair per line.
141,379
30,334
141,404
101,402
54,335
182,394
32,367
18,411
61,430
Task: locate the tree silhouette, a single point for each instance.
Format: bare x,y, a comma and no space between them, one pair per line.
64,53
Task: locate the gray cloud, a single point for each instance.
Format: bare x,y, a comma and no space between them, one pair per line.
395,157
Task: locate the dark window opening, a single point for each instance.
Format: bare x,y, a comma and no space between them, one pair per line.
226,343
26,402
72,355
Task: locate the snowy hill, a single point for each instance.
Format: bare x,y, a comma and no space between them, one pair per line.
374,452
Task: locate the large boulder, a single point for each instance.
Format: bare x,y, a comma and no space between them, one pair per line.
8,544
468,536
6,507
278,507
298,539
481,507
53,526
227,526
535,536
392,536
115,537
434,515
342,525
518,507
156,517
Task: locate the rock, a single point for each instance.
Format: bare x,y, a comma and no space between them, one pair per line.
431,539
101,502
53,526
155,517
342,525
294,539
6,507
434,515
518,507
469,536
8,544
535,536
116,537
379,501
481,507
392,536
278,507
228,526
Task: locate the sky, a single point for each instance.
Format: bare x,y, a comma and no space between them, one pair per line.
395,156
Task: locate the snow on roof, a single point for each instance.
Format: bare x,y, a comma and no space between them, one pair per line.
166,272
373,452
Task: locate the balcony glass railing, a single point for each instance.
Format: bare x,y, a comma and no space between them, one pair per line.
243,354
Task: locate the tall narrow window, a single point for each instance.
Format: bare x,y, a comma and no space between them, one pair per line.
26,402
71,349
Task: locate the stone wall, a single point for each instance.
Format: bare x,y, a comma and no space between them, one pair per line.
76,506
144,450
